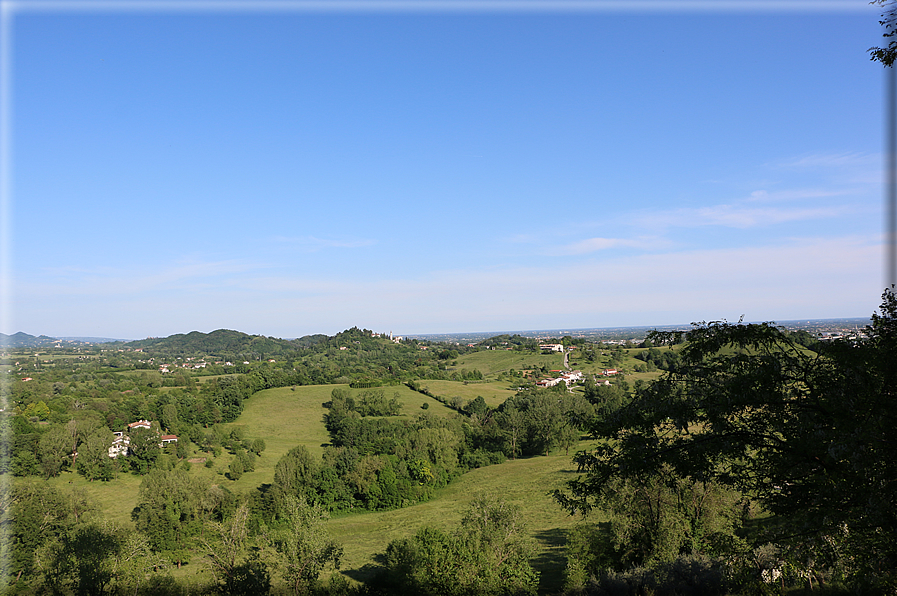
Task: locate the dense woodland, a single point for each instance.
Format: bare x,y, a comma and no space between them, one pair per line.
756,461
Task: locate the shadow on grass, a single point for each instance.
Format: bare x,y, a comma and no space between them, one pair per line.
551,560
363,574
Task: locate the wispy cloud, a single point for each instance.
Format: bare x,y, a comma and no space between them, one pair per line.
110,281
591,245
781,280
737,216
830,160
798,194
313,243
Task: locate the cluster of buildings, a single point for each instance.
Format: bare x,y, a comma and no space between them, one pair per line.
393,339
121,444
553,347
189,364
567,377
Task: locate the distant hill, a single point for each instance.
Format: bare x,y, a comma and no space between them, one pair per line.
23,340
225,341
92,340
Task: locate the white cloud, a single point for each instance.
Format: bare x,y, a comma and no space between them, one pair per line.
591,245
812,278
737,216
313,244
831,160
799,194
108,281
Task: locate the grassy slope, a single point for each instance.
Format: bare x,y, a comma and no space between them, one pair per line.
287,417
494,392
491,362
116,499
525,482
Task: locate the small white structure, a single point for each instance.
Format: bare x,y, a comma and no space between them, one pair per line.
120,445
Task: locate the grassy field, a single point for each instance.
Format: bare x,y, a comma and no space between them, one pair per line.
116,499
286,417
283,417
525,482
492,362
493,392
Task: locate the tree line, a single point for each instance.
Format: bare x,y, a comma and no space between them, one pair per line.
754,463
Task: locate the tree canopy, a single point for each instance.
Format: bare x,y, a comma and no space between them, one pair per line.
807,434
887,54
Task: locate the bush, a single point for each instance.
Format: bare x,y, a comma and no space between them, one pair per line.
486,555
235,469
693,575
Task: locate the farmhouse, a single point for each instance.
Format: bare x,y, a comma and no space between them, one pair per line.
566,378
121,444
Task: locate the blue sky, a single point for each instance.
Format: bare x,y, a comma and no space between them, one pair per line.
427,170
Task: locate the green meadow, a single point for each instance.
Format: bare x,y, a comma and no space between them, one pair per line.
291,416
493,362
287,417
524,482
493,392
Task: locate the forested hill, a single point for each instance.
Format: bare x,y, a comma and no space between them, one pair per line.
227,341
20,340
353,355
223,342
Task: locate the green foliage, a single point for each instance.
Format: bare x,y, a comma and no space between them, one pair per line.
806,434
296,472
656,521
516,342
38,410
93,460
695,575
485,555
371,402
236,565
81,561
607,399
887,54
172,509
536,421
144,449
56,447
257,446
235,469
33,513
96,558
302,544
658,518
662,359
477,407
